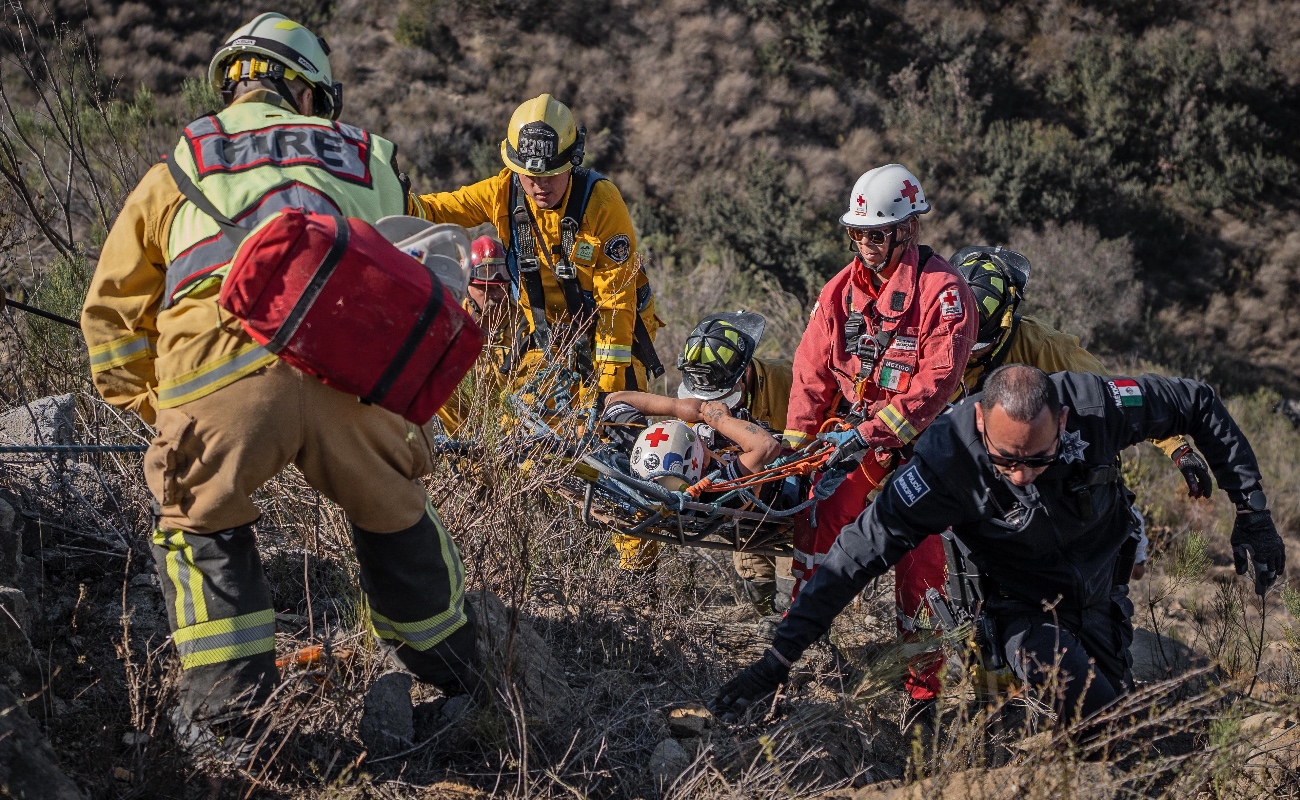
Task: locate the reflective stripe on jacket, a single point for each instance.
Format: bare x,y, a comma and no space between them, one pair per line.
146,353
605,256
931,314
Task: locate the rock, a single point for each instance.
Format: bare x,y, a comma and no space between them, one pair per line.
689,721
15,623
668,761
28,766
11,544
49,420
81,483
1015,782
1275,751
1157,657
387,723
538,676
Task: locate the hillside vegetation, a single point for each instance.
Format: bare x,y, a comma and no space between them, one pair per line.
1145,155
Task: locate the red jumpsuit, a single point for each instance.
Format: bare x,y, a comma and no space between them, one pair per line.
933,320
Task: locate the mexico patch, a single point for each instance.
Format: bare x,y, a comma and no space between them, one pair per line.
911,486
950,304
584,251
618,248
1126,393
894,376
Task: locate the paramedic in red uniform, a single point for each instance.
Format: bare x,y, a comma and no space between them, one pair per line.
885,348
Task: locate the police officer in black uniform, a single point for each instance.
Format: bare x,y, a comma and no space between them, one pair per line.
1027,475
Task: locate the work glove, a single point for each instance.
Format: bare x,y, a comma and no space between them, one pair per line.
1255,540
849,446
754,683
1195,471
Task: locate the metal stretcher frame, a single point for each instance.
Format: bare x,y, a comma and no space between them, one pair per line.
646,510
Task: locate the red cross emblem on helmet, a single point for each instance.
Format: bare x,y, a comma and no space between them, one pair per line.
910,191
657,437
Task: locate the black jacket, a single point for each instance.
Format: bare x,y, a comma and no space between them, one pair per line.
1057,538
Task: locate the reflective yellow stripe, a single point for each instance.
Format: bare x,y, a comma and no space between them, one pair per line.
617,353
191,607
897,423
118,352
226,639
796,439
213,375
426,633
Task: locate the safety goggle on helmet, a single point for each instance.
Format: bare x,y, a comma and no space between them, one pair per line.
716,355
276,48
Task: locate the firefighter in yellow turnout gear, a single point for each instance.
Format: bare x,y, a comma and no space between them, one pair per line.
230,415
997,278
570,242
718,365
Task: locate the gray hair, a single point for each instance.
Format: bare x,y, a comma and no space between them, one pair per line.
1022,391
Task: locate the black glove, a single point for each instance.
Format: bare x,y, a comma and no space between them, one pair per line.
756,682
1255,540
1195,471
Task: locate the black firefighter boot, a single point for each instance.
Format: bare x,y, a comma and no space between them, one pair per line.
415,584
221,617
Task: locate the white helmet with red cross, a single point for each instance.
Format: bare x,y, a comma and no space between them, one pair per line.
884,196
670,453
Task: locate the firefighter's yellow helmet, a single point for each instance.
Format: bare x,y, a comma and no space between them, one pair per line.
542,138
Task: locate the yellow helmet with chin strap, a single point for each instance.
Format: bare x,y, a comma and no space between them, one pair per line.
275,48
543,139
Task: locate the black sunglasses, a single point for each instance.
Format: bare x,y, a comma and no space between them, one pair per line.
871,235
1032,462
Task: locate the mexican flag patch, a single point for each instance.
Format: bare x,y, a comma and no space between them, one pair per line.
894,376
1125,392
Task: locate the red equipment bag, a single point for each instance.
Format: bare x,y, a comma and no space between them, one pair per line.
332,297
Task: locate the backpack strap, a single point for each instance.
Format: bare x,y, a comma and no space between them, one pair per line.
192,193
522,259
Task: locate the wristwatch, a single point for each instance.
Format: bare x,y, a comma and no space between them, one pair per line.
1255,501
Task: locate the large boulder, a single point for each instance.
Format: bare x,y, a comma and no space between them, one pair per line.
49,420
509,645
29,770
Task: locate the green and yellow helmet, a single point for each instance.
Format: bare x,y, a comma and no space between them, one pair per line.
716,355
997,278
275,47
542,138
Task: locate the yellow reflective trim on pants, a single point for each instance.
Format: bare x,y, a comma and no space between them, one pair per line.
226,639
132,347
191,608
897,423
213,375
427,633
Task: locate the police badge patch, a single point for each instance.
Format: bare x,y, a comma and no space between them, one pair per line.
1072,447
911,486
618,248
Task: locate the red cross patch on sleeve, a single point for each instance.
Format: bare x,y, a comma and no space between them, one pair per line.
949,304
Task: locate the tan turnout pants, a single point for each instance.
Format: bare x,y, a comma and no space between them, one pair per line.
211,454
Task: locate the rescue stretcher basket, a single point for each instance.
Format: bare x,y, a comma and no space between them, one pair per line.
609,496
